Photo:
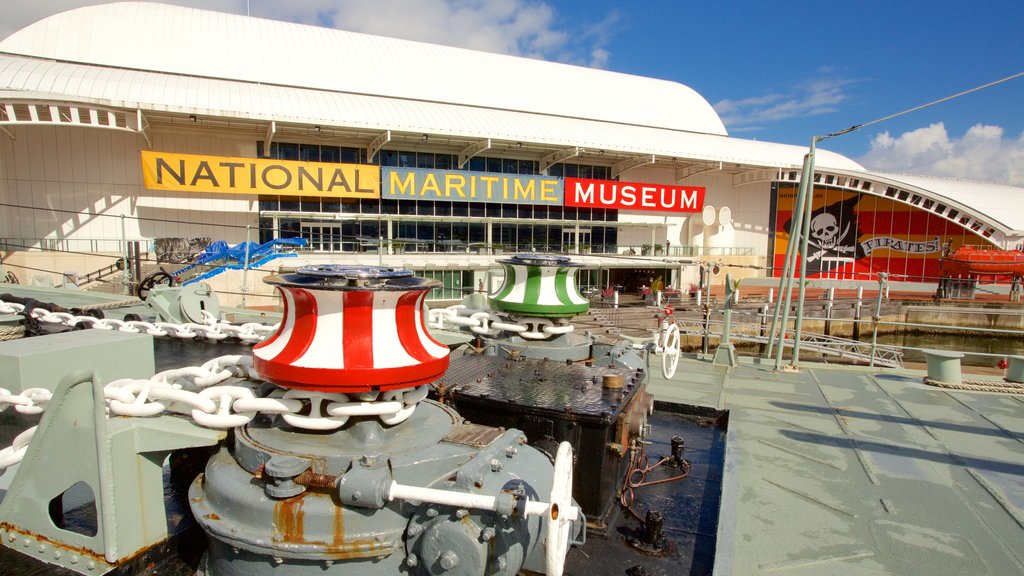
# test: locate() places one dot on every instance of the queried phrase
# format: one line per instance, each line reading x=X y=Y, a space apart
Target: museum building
x=136 y=121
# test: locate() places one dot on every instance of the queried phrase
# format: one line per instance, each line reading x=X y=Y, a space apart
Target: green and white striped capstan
x=539 y=285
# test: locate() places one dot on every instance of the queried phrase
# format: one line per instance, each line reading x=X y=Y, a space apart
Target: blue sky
x=775 y=71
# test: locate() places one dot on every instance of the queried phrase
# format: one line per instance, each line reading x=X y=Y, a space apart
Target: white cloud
x=17 y=15
x=527 y=28
x=819 y=96
x=504 y=26
x=982 y=153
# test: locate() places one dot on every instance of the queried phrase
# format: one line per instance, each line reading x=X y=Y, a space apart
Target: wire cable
x=916 y=108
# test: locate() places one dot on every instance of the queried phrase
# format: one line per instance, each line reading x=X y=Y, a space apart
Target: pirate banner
x=855 y=235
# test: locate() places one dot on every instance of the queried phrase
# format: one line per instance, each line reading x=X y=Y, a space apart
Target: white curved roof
x=1002 y=205
x=46 y=80
x=157 y=57
x=186 y=41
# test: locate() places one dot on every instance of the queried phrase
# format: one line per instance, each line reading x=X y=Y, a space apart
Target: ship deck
x=847 y=470
x=827 y=470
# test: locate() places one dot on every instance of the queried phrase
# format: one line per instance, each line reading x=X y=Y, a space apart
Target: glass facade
x=444 y=226
x=456 y=283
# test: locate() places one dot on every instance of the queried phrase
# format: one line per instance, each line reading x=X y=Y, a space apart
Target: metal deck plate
x=846 y=470
x=541 y=386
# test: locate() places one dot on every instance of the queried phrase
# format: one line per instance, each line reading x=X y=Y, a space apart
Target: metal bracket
x=559 y=156
x=143 y=127
x=622 y=166
x=692 y=170
x=376 y=144
x=271 y=130
x=472 y=150
x=120 y=460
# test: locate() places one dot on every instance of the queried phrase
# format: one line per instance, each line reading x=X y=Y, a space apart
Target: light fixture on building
x=316 y=128
x=192 y=117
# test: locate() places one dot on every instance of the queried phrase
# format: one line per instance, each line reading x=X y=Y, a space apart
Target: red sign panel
x=633 y=195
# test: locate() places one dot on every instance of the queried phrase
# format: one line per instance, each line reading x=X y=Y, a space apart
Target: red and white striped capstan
x=351 y=329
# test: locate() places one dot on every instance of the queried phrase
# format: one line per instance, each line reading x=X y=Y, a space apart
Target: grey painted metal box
x=41 y=361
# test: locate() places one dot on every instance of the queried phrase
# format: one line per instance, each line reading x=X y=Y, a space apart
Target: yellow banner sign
x=230 y=175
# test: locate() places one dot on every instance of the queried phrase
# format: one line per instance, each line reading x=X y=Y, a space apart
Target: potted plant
x=658 y=249
x=585 y=248
x=398 y=246
x=694 y=288
x=645 y=250
x=498 y=248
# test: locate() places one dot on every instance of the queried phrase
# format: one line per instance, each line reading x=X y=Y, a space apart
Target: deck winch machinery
x=388 y=482
x=530 y=314
x=529 y=368
x=338 y=464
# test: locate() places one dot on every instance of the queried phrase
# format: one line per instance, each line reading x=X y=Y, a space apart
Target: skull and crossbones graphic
x=825 y=232
x=833 y=234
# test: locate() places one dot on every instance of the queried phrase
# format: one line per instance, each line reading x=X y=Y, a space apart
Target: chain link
x=212 y=329
x=204 y=393
x=488 y=324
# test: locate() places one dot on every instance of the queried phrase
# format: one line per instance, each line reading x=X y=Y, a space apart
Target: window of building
x=521 y=237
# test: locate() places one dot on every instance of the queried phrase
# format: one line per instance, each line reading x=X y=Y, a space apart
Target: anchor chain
x=212 y=329
x=198 y=392
x=489 y=324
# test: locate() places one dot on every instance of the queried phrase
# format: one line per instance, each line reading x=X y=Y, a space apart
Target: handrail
x=884 y=355
x=101 y=273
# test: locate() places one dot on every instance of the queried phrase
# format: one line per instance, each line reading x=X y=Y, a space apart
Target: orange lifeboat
x=983 y=261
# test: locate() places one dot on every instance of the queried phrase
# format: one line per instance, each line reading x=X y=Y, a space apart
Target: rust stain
x=81 y=550
x=289 y=527
x=288 y=519
x=361 y=548
x=339 y=526
x=341 y=548
x=212 y=516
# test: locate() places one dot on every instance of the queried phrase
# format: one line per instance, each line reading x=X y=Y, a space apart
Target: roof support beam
x=271 y=130
x=628 y=163
x=756 y=175
x=692 y=170
x=376 y=144
x=142 y=125
x=472 y=150
x=559 y=156
x=50 y=113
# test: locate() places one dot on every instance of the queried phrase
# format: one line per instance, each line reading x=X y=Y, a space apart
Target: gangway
x=218 y=257
x=888 y=356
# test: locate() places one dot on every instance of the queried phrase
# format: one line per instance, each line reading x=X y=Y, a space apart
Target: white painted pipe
x=465 y=500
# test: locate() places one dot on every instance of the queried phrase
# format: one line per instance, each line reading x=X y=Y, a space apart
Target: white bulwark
x=149 y=123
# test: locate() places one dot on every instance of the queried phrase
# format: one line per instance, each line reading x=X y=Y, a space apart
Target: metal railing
x=83 y=245
x=883 y=355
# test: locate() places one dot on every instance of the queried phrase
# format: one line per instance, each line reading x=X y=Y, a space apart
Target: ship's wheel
x=159 y=278
x=670 y=351
x=562 y=513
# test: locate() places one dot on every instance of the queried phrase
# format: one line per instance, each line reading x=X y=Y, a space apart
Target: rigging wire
x=856 y=127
